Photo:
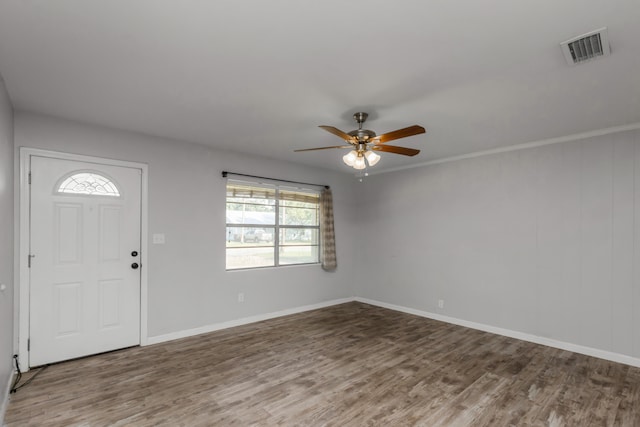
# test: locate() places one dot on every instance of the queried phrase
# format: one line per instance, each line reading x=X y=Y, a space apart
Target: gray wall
x=188 y=284
x=541 y=241
x=6 y=239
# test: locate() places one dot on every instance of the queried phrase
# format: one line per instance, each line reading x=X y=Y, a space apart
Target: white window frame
x=276 y=226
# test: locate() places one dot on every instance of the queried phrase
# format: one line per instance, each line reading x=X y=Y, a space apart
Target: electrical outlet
x=241 y=297
x=440 y=303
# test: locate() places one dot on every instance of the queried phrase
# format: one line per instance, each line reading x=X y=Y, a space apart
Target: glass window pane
x=299 y=215
x=243 y=213
x=89 y=183
x=252 y=223
x=298 y=236
x=249 y=257
x=297 y=196
x=298 y=254
x=250 y=236
x=237 y=191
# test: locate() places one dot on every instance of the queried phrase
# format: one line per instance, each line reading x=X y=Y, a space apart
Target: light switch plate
x=158 y=239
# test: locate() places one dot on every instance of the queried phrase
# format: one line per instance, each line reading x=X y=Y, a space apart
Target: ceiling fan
x=364 y=142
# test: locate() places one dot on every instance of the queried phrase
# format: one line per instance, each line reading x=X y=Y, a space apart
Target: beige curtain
x=327 y=232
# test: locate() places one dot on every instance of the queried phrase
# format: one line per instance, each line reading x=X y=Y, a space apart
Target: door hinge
x=29 y=260
x=29 y=178
x=29 y=344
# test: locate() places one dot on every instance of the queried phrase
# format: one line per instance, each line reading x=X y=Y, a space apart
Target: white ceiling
x=260 y=76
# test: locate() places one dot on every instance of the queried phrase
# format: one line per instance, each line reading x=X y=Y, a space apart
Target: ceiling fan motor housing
x=363 y=135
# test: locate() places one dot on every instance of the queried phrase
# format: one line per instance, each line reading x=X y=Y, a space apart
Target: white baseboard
x=244 y=321
x=589 y=351
x=5 y=397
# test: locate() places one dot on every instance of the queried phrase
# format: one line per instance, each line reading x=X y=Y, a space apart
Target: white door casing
x=84 y=295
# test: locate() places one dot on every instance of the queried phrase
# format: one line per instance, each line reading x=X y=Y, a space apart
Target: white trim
x=244 y=321
x=144 y=255
x=524 y=146
x=23 y=245
x=589 y=351
x=5 y=397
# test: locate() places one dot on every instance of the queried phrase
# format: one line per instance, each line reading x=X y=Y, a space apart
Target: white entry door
x=85 y=256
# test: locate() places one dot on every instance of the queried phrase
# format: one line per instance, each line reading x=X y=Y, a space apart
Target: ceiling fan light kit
x=350 y=158
x=357 y=159
x=359 y=163
x=363 y=142
x=372 y=158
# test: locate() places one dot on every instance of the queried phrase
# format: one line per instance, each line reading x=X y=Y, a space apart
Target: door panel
x=110 y=303
x=85 y=297
x=110 y=218
x=68 y=233
x=67 y=300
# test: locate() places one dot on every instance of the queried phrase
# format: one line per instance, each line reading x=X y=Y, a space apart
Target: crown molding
x=523 y=146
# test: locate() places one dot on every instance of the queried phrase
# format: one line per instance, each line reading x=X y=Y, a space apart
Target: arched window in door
x=89 y=183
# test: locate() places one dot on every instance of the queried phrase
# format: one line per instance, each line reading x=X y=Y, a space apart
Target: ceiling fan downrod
x=360 y=118
x=362 y=135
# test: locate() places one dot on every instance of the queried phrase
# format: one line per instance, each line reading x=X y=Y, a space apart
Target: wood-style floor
x=347 y=365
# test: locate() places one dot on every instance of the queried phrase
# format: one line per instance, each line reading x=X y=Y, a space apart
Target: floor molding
x=243 y=321
x=5 y=398
x=588 y=351
x=562 y=345
x=350 y=364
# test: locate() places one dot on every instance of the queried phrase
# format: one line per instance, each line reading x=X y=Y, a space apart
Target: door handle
x=134 y=253
x=135 y=265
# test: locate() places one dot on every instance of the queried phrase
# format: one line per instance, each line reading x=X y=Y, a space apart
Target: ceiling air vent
x=586 y=47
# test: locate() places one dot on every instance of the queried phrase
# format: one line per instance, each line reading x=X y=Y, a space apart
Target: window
x=88 y=183
x=270 y=226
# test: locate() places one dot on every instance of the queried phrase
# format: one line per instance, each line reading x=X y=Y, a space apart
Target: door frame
x=21 y=302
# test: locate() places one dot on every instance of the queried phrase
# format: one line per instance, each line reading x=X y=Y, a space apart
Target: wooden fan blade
x=339 y=133
x=324 y=148
x=397 y=150
x=400 y=133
